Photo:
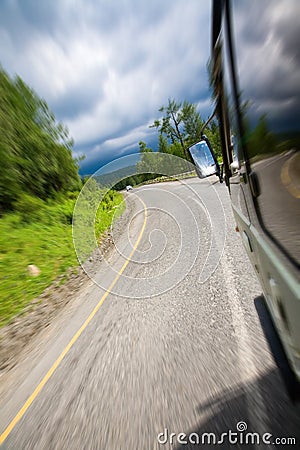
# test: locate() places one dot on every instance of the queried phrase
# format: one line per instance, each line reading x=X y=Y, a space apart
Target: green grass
x=42 y=238
x=105 y=218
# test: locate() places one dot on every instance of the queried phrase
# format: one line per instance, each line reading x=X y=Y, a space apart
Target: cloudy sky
x=105 y=67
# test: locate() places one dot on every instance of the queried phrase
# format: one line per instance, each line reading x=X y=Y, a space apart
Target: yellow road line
x=50 y=372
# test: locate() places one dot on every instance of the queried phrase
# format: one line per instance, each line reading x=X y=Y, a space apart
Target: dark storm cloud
x=74 y=102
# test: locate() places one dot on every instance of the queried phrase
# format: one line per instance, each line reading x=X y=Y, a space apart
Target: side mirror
x=205 y=161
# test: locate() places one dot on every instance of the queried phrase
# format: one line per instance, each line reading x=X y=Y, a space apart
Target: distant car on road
x=129 y=188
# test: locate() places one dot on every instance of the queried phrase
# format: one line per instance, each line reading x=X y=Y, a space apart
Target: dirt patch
x=16 y=335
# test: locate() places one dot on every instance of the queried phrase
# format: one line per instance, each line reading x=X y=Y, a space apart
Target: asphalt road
x=175 y=346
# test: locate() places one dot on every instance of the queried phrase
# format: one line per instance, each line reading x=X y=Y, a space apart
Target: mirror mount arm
x=207 y=123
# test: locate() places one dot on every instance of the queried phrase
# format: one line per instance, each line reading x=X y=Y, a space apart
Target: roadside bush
x=40 y=232
x=29 y=208
x=61 y=212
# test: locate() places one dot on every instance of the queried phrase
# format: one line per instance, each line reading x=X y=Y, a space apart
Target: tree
x=261 y=140
x=143 y=147
x=35 y=150
x=213 y=135
x=193 y=123
x=149 y=163
x=179 y=127
x=163 y=146
x=181 y=123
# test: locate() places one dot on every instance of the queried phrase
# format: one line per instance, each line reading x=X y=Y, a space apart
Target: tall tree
x=180 y=123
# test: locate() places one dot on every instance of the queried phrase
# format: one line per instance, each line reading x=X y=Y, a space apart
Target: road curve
x=165 y=338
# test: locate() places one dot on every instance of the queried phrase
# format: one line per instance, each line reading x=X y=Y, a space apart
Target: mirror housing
x=205 y=160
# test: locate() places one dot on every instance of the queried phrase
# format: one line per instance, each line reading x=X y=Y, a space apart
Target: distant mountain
x=111 y=178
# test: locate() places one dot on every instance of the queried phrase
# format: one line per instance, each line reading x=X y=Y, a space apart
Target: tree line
x=35 y=150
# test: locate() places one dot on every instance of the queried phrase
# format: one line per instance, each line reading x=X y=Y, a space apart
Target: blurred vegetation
x=91 y=220
x=35 y=150
x=39 y=186
x=40 y=233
